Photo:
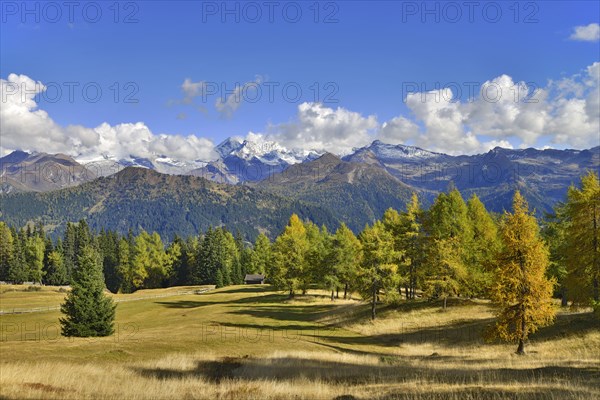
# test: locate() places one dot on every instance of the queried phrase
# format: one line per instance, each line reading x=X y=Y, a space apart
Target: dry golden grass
x=415 y=351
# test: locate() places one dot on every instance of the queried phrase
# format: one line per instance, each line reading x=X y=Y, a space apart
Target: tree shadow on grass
x=248 y=289
x=186 y=303
x=287 y=312
x=362 y=311
x=267 y=298
x=272 y=298
x=568 y=325
x=337 y=372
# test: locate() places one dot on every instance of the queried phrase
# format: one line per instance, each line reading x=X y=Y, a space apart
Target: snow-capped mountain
x=105 y=165
x=253 y=159
x=239 y=160
x=385 y=152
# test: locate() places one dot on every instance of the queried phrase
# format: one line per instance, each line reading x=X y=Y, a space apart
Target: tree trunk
x=332 y=295
x=445 y=300
x=411 y=282
x=337 y=293
x=345 y=290
x=291 y=293
x=563 y=297
x=406 y=294
x=374 y=301
x=521 y=348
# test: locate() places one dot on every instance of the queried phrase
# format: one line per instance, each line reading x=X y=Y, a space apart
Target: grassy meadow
x=250 y=342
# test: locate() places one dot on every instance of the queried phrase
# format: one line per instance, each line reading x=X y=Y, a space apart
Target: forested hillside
x=137 y=199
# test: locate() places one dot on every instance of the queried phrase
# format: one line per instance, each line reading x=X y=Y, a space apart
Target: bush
x=33 y=289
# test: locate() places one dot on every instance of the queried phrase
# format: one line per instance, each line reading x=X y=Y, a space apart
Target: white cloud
x=228 y=105
x=322 y=128
x=25 y=126
x=192 y=90
x=508 y=109
x=398 y=130
x=564 y=112
x=586 y=33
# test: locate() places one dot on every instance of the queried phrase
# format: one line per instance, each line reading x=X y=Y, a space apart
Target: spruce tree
x=56 y=273
x=18 y=271
x=521 y=289
x=88 y=311
x=69 y=255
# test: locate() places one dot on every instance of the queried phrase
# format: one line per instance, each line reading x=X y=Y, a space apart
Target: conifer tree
x=18 y=271
x=378 y=269
x=412 y=239
x=583 y=242
x=109 y=248
x=34 y=257
x=289 y=256
x=521 y=289
x=554 y=233
x=484 y=244
x=392 y=222
x=346 y=257
x=317 y=266
x=124 y=266
x=88 y=311
x=159 y=263
x=56 y=273
x=178 y=254
x=6 y=250
x=69 y=255
x=447 y=274
x=449 y=238
x=261 y=256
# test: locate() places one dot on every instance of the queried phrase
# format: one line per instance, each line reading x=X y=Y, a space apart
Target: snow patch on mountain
x=255 y=146
x=399 y=151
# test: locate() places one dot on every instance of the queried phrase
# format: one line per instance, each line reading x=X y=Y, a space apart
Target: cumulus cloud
x=564 y=112
x=322 y=128
x=398 y=130
x=25 y=126
x=443 y=121
x=586 y=33
x=506 y=113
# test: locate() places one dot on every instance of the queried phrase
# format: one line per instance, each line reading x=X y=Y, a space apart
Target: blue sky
x=362 y=59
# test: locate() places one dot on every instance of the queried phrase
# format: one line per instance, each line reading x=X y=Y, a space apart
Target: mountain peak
x=328 y=158
x=15 y=157
x=228 y=146
x=387 y=150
